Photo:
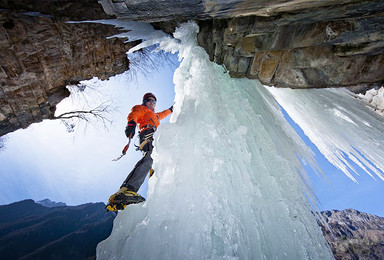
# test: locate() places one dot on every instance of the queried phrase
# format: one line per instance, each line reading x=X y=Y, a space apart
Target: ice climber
x=148 y=120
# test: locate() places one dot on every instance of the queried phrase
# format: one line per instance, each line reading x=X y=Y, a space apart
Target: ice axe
x=124 y=150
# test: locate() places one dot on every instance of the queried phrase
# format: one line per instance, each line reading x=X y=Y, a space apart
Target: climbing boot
x=122 y=198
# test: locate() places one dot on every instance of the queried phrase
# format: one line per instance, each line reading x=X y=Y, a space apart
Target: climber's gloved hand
x=130 y=129
x=171 y=108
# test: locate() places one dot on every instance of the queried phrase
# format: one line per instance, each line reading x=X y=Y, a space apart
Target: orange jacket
x=144 y=116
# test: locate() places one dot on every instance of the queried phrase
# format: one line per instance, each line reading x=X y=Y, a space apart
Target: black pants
x=137 y=176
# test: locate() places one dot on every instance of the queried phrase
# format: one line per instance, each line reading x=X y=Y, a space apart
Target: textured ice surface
x=229 y=180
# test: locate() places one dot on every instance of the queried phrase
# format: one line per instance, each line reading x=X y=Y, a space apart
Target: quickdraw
x=142 y=145
x=147 y=139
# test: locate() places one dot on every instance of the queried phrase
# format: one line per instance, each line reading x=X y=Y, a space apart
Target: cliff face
x=297 y=44
x=40 y=54
x=355 y=235
x=299 y=54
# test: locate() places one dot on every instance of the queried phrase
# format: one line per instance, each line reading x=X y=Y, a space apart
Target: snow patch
x=375 y=97
x=50 y=204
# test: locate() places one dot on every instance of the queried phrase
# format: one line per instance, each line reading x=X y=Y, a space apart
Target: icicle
x=342 y=127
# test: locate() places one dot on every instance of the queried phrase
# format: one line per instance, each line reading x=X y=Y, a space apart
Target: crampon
x=119 y=201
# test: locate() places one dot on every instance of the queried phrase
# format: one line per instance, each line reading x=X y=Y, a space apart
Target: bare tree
x=146 y=61
x=98 y=114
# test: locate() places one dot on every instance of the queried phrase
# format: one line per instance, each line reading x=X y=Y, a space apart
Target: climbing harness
x=146 y=127
x=147 y=138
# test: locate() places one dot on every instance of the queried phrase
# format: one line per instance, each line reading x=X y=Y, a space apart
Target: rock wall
x=40 y=54
x=297 y=43
x=301 y=54
x=355 y=235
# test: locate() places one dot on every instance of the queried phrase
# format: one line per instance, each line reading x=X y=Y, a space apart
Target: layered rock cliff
x=40 y=54
x=355 y=235
x=296 y=44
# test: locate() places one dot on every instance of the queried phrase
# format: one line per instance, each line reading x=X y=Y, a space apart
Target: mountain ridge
x=25 y=228
x=31 y=231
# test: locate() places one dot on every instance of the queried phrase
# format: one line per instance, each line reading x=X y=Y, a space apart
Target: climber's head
x=149 y=100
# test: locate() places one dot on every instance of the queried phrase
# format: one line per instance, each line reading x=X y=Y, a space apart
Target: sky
x=47 y=161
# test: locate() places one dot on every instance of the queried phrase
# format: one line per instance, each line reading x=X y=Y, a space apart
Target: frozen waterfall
x=229 y=180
